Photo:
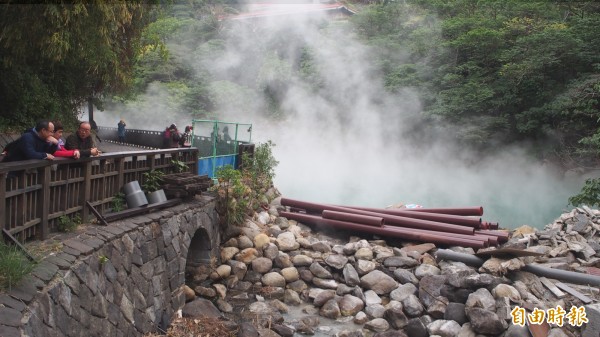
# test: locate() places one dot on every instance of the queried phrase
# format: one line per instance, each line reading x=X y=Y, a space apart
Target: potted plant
x=152 y=186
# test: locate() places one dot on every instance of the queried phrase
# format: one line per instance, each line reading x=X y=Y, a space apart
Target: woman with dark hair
x=186 y=138
x=62 y=152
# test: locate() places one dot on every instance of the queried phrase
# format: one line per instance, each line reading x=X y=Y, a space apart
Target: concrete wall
x=121 y=280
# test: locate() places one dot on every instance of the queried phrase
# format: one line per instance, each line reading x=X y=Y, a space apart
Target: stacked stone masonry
x=125 y=279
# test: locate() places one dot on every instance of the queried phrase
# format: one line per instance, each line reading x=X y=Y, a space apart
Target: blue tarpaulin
x=205 y=165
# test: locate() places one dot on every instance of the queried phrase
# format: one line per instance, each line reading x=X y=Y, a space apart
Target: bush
x=13 y=266
x=589 y=195
x=68 y=224
x=118 y=202
x=239 y=191
x=152 y=181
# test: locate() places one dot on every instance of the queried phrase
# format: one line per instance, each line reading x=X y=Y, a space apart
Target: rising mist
x=341 y=137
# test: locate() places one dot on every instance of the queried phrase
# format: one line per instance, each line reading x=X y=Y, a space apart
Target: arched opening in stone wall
x=199 y=263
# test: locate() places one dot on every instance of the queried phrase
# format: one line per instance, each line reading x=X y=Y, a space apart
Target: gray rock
x=437 y=309
x=426 y=270
x=515 y=330
x=412 y=306
x=396 y=317
x=320 y=271
x=379 y=282
x=390 y=333
x=481 y=298
x=400 y=262
x=200 y=308
x=330 y=309
x=456 y=312
x=429 y=288
x=350 y=305
x=377 y=324
x=351 y=276
x=403 y=291
x=405 y=276
x=336 y=261
x=262 y=265
x=375 y=310
x=592 y=328
x=416 y=328
x=323 y=296
x=444 y=328
x=291 y=297
x=364 y=267
x=485 y=321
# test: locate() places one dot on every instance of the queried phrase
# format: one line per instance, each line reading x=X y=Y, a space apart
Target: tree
x=55 y=56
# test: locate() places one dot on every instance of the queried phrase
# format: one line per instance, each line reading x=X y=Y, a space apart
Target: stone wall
x=124 y=279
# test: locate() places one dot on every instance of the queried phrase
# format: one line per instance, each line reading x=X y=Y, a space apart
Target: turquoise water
x=511 y=207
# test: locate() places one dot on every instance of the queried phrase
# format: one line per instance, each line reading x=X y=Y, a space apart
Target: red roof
x=273 y=9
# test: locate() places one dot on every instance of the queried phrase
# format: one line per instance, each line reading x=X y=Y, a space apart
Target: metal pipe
x=558 y=274
x=447 y=254
x=564 y=275
x=502 y=236
x=385 y=231
x=493 y=240
x=446 y=218
x=483 y=239
x=476 y=210
x=357 y=218
x=389 y=219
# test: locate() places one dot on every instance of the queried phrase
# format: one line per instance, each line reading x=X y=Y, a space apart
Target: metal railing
x=35 y=194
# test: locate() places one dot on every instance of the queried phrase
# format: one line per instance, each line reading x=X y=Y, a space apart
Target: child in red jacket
x=62 y=152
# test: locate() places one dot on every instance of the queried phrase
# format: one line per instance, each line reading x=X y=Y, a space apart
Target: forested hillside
x=487 y=73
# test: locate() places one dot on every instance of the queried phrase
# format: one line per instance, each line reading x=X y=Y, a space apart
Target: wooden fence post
x=87 y=187
x=2 y=203
x=44 y=203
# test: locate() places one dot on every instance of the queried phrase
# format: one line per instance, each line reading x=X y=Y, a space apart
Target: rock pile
x=271 y=265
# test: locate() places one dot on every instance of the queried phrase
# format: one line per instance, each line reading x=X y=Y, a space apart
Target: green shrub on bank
x=68 y=224
x=589 y=195
x=239 y=191
x=14 y=265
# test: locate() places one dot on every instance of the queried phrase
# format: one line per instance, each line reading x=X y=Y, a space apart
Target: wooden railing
x=34 y=194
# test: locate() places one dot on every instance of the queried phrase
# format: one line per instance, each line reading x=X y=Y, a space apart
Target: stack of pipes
x=448 y=226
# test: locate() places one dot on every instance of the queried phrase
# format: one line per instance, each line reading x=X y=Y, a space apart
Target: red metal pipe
x=356 y=218
x=502 y=236
x=481 y=238
x=385 y=231
x=475 y=210
x=489 y=225
x=389 y=219
x=493 y=240
x=446 y=218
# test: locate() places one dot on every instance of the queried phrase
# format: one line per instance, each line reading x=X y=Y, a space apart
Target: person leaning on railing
x=62 y=151
x=82 y=141
x=36 y=143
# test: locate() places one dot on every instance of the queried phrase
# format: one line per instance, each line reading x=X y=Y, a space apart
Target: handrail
x=35 y=194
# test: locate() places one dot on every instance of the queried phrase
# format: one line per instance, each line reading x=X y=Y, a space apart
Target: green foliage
x=54 y=57
x=179 y=165
x=117 y=204
x=239 y=191
x=14 y=265
x=68 y=223
x=259 y=170
x=152 y=181
x=589 y=195
x=234 y=197
x=102 y=259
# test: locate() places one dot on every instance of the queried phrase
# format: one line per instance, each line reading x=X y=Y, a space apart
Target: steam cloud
x=348 y=142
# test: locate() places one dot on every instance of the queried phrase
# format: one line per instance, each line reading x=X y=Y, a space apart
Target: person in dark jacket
x=121 y=130
x=82 y=141
x=36 y=143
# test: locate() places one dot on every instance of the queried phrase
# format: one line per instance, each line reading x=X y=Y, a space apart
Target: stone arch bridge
x=123 y=279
